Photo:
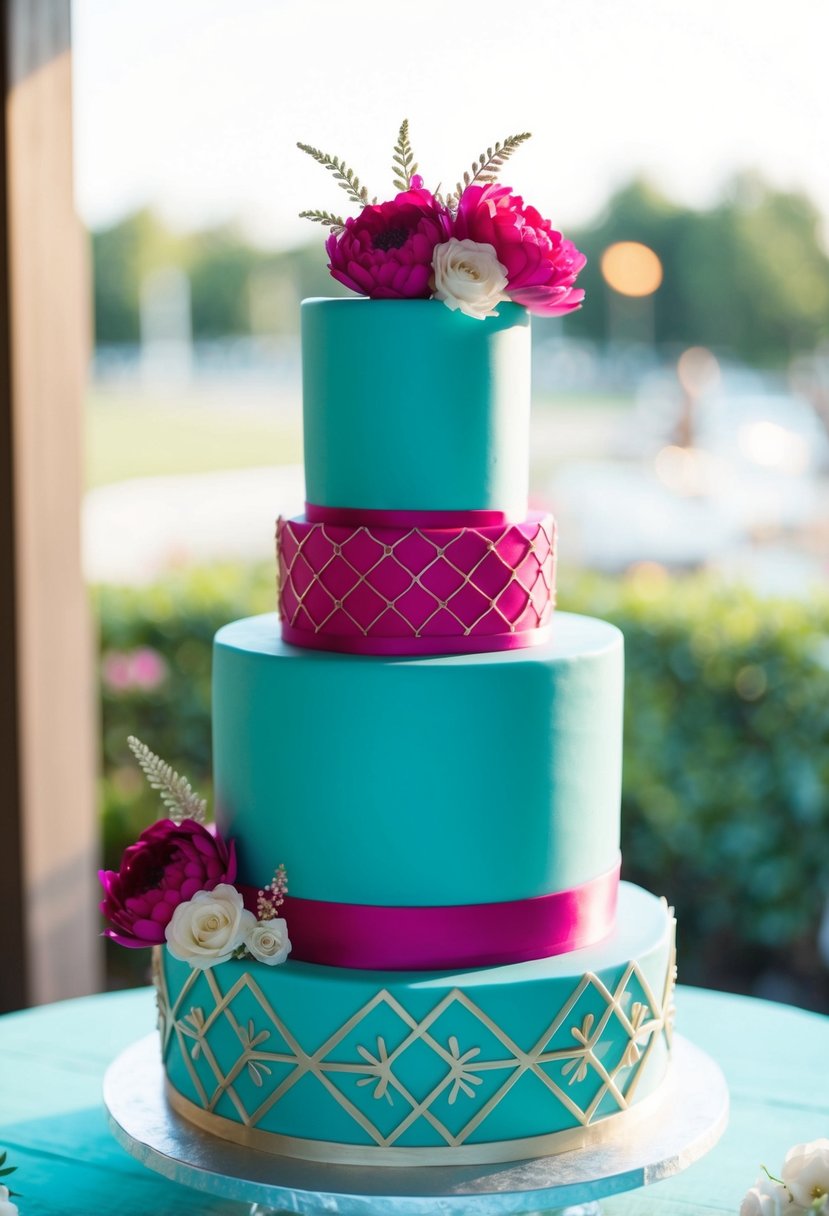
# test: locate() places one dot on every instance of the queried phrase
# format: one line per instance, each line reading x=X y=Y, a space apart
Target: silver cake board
x=688 y=1123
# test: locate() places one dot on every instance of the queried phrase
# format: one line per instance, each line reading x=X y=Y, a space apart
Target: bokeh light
x=631 y=268
x=768 y=444
x=698 y=370
x=687 y=471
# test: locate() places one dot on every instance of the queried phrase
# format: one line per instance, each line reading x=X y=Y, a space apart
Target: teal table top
x=53 y=1125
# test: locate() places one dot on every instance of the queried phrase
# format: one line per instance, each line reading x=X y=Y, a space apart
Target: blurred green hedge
x=726 y=781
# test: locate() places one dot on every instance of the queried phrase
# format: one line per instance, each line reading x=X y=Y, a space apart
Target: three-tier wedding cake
x=437 y=758
x=431 y=751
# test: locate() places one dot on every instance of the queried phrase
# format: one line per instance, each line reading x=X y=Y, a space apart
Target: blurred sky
x=195 y=106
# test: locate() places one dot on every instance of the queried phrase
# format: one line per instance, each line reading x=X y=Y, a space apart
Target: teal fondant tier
x=457 y=779
x=410 y=406
x=489 y=1065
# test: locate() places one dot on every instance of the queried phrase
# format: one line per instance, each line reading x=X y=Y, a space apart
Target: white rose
x=208 y=928
x=7 y=1208
x=268 y=941
x=806 y=1172
x=766 y=1198
x=468 y=276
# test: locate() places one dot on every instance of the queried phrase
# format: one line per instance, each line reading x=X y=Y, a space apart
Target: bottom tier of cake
x=400 y=1068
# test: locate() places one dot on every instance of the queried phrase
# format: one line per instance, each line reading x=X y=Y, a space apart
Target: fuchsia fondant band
x=366 y=937
x=355 y=517
x=397 y=647
x=416 y=587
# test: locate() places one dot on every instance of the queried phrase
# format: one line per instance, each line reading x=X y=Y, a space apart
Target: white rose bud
x=467 y=275
x=268 y=941
x=210 y=927
x=766 y=1198
x=806 y=1173
x=7 y=1208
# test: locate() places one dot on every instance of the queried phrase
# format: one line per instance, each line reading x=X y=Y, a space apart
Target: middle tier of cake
x=481 y=790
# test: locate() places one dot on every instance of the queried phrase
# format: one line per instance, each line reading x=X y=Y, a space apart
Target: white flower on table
x=268 y=941
x=210 y=927
x=7 y=1208
x=806 y=1174
x=767 y=1198
x=467 y=275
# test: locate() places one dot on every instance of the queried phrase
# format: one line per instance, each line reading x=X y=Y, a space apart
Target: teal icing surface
x=459 y=779
x=450 y=1041
x=410 y=406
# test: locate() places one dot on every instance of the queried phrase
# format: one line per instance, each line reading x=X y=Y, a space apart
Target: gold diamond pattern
x=306 y=602
x=373 y=1064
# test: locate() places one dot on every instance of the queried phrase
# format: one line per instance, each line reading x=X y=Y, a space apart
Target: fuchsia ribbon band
x=373 y=938
x=410 y=647
x=357 y=517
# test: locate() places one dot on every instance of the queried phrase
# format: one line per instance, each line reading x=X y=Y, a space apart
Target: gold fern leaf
x=176 y=792
x=345 y=178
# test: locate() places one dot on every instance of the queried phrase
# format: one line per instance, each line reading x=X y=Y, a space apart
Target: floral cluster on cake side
x=176 y=885
x=803 y=1187
x=472 y=249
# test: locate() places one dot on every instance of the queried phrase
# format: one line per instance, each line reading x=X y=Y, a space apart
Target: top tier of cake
x=409 y=406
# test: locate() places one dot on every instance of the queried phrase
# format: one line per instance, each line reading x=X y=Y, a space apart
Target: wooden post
x=48 y=822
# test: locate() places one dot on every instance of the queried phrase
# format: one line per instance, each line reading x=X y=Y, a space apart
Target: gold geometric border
x=646 y=1024
x=465 y=1154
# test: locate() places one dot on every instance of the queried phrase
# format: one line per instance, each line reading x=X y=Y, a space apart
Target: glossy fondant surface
x=459 y=779
x=410 y=406
x=438 y=1060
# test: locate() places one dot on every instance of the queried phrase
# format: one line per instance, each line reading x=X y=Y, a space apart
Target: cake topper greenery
x=473 y=248
x=176 y=884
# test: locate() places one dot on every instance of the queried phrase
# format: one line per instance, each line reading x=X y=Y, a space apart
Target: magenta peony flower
x=166 y=866
x=386 y=251
x=541 y=265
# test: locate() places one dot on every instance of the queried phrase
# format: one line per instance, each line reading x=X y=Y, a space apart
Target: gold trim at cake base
x=494 y=1153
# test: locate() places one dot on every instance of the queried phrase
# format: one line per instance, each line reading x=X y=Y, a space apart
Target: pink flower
x=386 y=251
x=116 y=671
x=167 y=865
x=142 y=670
x=541 y=265
x=149 y=670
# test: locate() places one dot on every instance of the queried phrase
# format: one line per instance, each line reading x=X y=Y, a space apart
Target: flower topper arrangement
x=803 y=1187
x=472 y=249
x=176 y=885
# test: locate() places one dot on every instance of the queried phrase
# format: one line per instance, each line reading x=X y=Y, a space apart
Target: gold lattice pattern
x=575 y=1047
x=416 y=582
